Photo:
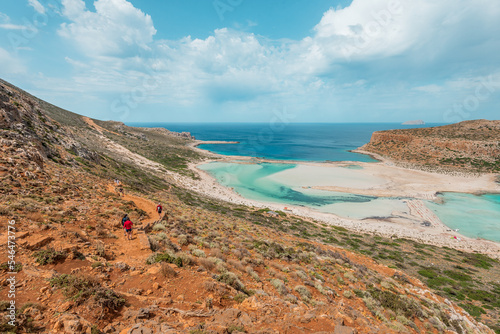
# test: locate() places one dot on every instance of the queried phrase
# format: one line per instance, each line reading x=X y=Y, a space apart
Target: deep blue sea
x=294 y=141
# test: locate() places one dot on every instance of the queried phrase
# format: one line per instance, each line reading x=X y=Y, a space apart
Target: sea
x=475 y=216
x=294 y=141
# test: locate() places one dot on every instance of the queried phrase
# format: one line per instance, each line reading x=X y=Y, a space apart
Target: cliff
x=467 y=146
x=207 y=266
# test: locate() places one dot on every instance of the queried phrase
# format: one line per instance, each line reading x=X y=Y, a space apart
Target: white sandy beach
x=377 y=179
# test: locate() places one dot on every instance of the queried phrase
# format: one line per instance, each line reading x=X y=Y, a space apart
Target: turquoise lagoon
x=476 y=216
x=259 y=182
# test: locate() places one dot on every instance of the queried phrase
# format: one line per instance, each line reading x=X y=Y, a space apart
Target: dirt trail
x=98 y=128
x=133 y=251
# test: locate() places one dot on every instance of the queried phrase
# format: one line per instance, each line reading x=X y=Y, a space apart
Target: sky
x=257 y=60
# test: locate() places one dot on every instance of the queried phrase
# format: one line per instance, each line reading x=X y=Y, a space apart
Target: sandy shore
x=387 y=180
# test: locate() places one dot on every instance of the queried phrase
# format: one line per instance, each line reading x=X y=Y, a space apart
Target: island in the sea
x=415 y=122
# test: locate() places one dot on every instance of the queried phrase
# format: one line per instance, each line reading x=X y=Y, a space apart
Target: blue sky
x=256 y=60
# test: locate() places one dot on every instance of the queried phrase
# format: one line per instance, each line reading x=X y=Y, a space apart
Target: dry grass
x=208 y=264
x=236 y=264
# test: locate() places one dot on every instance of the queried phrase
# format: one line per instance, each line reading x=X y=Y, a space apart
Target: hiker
x=159 y=209
x=128 y=228
x=124 y=219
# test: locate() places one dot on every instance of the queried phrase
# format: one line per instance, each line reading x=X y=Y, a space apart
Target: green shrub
x=304 y=293
x=480 y=295
x=162 y=236
x=348 y=294
x=232 y=280
x=81 y=289
x=164 y=257
x=240 y=297
x=280 y=286
x=159 y=227
x=473 y=310
x=399 y=304
x=96 y=264
x=198 y=253
x=429 y=273
x=456 y=275
x=182 y=240
x=48 y=256
x=5 y=267
x=479 y=260
x=439 y=281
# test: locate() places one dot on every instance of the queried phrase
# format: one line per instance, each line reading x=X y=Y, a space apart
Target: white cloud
x=5 y=23
x=433 y=89
x=37 y=6
x=373 y=29
x=10 y=64
x=9 y=26
x=359 y=59
x=116 y=28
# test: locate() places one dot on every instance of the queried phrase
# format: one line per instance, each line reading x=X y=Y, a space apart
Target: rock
x=22 y=235
x=344 y=330
x=251 y=304
x=143 y=240
x=307 y=317
x=156 y=286
x=65 y=306
x=143 y=313
x=155 y=269
x=122 y=266
x=232 y=316
x=341 y=329
x=72 y=324
x=35 y=272
x=38 y=242
x=139 y=329
x=109 y=329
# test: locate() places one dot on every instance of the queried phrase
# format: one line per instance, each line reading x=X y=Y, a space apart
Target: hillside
x=207 y=267
x=470 y=146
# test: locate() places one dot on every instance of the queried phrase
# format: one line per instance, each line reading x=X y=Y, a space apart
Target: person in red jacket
x=159 y=209
x=128 y=228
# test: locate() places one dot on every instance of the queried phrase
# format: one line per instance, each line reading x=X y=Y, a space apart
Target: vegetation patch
x=48 y=256
x=164 y=257
x=81 y=289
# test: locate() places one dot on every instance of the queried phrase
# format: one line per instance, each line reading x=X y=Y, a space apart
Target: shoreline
x=396 y=227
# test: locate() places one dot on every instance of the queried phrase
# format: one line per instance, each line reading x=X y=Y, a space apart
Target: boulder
x=72 y=324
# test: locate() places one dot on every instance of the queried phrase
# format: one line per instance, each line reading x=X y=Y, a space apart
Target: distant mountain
x=467 y=146
x=415 y=122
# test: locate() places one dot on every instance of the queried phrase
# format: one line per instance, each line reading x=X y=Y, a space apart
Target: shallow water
x=260 y=182
x=476 y=216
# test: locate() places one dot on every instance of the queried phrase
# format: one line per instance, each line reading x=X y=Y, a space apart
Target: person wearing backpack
x=159 y=209
x=124 y=219
x=128 y=228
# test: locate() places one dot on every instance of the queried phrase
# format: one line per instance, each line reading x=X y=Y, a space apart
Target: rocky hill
x=471 y=146
x=207 y=266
